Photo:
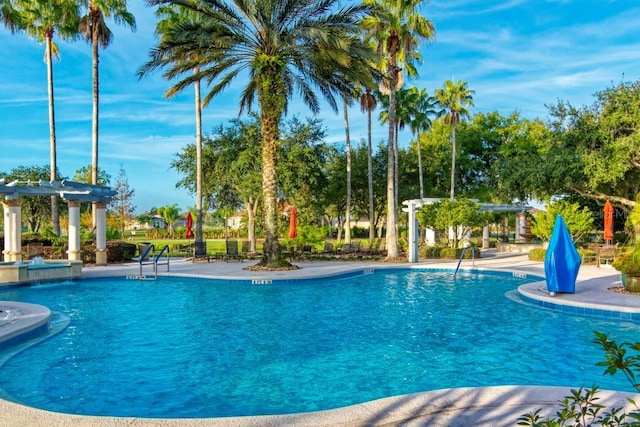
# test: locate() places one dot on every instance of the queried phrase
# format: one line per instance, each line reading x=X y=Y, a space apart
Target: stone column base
x=74 y=255
x=101 y=257
x=12 y=256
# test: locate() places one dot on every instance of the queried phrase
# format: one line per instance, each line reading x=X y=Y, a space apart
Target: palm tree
x=420 y=106
x=40 y=19
x=347 y=231
x=168 y=28
x=368 y=104
x=279 y=46
x=95 y=29
x=397 y=29
x=454 y=98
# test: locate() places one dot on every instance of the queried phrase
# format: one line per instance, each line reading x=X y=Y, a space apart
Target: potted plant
x=628 y=263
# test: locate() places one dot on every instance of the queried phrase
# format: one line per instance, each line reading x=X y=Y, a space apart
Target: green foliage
x=460 y=214
x=628 y=262
x=581 y=408
x=117 y=252
x=579 y=221
x=35 y=210
x=537 y=254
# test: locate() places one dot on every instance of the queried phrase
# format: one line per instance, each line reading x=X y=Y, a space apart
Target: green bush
x=537 y=254
x=581 y=408
x=117 y=252
x=445 y=252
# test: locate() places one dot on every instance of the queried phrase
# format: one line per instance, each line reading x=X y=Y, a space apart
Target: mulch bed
x=622 y=290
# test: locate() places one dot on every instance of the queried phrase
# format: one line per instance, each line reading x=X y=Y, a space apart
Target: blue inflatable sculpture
x=562 y=261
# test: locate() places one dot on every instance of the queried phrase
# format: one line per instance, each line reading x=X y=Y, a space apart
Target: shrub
x=581 y=406
x=117 y=252
x=537 y=254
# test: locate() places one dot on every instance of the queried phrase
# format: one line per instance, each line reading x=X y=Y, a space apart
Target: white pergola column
x=74 y=230
x=12 y=230
x=485 y=237
x=521 y=225
x=430 y=236
x=101 y=233
x=412 y=232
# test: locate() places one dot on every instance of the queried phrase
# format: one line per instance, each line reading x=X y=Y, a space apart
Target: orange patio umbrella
x=293 y=223
x=189 y=234
x=608 y=222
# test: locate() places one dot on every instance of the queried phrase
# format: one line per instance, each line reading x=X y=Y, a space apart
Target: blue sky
x=516 y=55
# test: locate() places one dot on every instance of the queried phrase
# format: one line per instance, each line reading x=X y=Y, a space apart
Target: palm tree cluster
x=70 y=19
x=276 y=49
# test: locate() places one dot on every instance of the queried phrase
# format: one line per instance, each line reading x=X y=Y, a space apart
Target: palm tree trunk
x=198 y=234
x=396 y=174
x=391 y=237
x=94 y=131
x=347 y=231
x=420 y=176
x=271 y=249
x=370 y=178
x=55 y=219
x=252 y=208
x=453 y=162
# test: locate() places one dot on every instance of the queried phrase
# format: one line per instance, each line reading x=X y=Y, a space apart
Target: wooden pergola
x=74 y=193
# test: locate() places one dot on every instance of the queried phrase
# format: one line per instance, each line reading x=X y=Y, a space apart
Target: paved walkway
x=482 y=406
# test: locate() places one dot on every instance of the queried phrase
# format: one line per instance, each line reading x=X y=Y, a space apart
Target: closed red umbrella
x=293 y=223
x=608 y=222
x=189 y=225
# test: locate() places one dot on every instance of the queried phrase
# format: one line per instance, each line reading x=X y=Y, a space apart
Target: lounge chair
x=232 y=251
x=200 y=252
x=328 y=249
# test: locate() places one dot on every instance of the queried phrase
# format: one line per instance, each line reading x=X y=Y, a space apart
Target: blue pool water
x=185 y=347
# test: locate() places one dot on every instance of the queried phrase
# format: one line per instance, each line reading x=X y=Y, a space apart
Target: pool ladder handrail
x=473 y=257
x=155 y=261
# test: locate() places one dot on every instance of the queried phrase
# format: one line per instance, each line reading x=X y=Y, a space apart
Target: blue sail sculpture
x=562 y=261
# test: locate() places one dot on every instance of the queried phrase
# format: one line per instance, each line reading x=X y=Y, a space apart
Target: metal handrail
x=473 y=257
x=157 y=258
x=155 y=261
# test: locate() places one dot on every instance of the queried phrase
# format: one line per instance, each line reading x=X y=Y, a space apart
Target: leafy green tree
x=374 y=207
x=462 y=215
x=36 y=210
x=579 y=220
x=84 y=175
x=40 y=19
x=302 y=160
x=397 y=29
x=454 y=99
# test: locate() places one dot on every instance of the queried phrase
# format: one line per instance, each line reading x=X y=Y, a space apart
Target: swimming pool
x=186 y=347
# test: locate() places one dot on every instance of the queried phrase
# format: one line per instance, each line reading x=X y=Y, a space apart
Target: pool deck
x=481 y=406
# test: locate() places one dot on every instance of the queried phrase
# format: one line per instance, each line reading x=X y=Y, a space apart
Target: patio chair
x=232 y=251
x=328 y=249
x=200 y=252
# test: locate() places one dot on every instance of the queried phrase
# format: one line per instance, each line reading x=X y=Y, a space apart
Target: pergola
x=73 y=193
x=413 y=205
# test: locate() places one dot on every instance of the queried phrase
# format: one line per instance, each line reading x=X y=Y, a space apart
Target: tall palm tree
x=40 y=19
x=420 y=106
x=279 y=46
x=345 y=108
x=368 y=104
x=168 y=28
x=397 y=28
x=95 y=29
x=454 y=98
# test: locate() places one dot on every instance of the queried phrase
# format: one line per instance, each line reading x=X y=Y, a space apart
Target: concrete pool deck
x=482 y=406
